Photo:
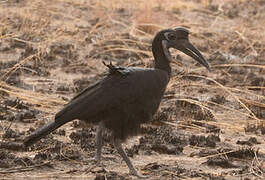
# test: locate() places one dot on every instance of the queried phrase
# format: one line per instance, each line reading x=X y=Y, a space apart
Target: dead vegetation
x=50 y=50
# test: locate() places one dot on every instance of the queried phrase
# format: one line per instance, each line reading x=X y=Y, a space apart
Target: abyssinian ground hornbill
x=126 y=97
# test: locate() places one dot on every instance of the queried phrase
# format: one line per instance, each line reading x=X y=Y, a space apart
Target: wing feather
x=112 y=91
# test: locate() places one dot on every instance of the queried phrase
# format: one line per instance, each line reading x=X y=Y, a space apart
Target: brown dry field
x=210 y=125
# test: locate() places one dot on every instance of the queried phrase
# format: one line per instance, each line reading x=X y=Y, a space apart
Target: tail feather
x=43 y=131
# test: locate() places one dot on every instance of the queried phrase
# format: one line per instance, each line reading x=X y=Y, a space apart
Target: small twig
x=22 y=169
x=229 y=92
x=11 y=146
x=248 y=42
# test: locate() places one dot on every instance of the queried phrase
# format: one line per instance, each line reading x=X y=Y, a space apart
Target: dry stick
x=226 y=125
x=18 y=91
x=254 y=87
x=224 y=88
x=125 y=25
x=242 y=99
x=29 y=69
x=138 y=54
x=253 y=169
x=6 y=36
x=114 y=47
x=172 y=173
x=21 y=169
x=191 y=126
x=229 y=109
x=218 y=154
x=17 y=66
x=247 y=41
x=205 y=106
x=226 y=47
x=61 y=153
x=98 y=24
x=230 y=88
x=21 y=40
x=243 y=91
x=124 y=42
x=240 y=65
x=253 y=102
x=199 y=69
x=9 y=126
x=33 y=99
x=245 y=114
x=124 y=49
x=45 y=101
x=192 y=102
x=222 y=106
x=123 y=39
x=152 y=24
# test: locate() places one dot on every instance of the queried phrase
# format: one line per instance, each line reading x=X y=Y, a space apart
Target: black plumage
x=125 y=98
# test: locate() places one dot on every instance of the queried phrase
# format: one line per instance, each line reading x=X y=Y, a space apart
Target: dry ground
x=211 y=125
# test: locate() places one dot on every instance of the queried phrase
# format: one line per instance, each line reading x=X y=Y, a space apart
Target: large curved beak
x=186 y=47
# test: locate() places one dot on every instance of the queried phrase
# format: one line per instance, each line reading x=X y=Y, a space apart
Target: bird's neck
x=162 y=56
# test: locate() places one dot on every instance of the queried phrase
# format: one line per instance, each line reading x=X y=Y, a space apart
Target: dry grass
x=38 y=28
x=122 y=31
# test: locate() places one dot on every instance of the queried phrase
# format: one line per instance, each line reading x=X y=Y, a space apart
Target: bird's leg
x=133 y=171
x=99 y=142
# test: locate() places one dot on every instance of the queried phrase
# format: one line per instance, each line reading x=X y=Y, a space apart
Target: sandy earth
x=210 y=125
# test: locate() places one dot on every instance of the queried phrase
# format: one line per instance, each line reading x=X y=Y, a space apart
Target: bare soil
x=210 y=125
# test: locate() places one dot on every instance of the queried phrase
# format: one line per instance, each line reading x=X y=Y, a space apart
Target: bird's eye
x=172 y=37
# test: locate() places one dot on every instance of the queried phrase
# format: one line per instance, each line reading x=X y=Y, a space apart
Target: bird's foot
x=97 y=160
x=139 y=175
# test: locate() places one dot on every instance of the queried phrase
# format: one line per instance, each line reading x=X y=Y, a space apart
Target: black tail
x=43 y=131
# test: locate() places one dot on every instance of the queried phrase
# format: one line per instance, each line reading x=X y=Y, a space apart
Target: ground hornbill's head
x=177 y=38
